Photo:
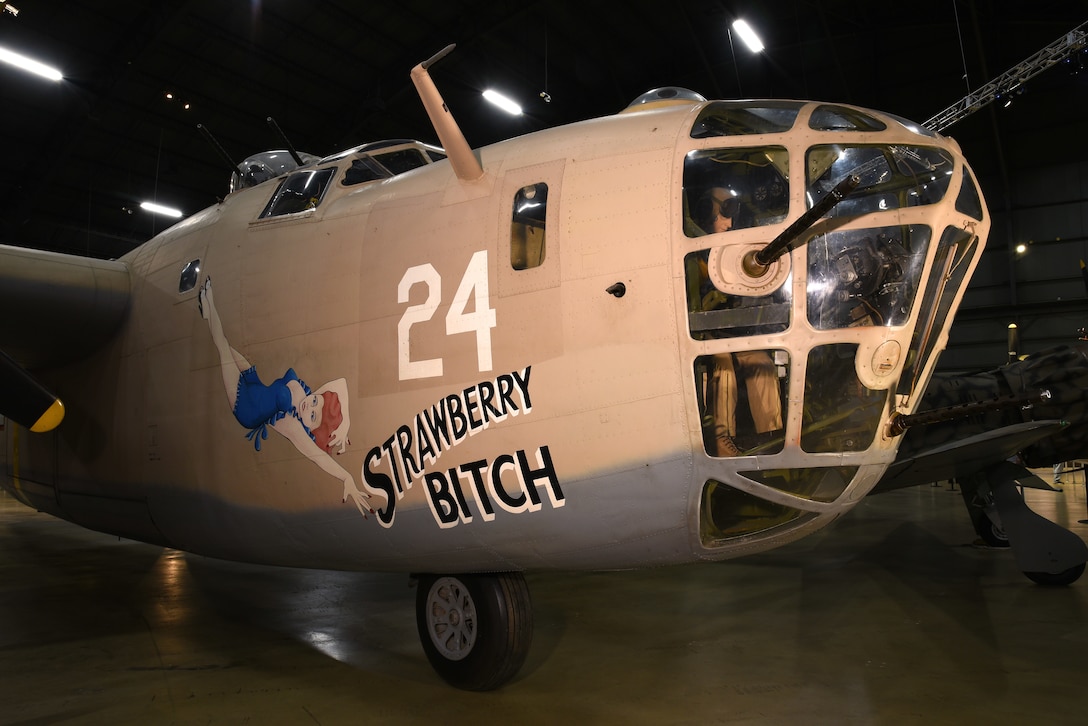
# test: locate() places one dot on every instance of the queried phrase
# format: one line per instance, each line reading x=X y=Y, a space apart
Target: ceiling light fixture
x=160 y=209
x=170 y=97
x=30 y=65
x=502 y=102
x=744 y=30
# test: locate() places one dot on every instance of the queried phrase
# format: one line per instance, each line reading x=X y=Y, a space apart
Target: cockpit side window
x=369 y=167
x=527 y=227
x=399 y=162
x=364 y=169
x=300 y=191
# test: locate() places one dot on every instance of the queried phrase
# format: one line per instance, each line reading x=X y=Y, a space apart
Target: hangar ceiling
x=82 y=153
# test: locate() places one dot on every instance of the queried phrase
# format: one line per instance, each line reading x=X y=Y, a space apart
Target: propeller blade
x=25 y=401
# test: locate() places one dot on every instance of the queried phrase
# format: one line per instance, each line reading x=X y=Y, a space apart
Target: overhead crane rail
x=1011 y=80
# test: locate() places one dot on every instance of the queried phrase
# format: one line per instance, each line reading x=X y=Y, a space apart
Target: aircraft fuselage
x=560 y=365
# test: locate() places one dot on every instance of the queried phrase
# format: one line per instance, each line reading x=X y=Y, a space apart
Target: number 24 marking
x=481 y=320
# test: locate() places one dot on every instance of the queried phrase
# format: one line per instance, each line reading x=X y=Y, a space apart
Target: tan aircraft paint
x=151 y=448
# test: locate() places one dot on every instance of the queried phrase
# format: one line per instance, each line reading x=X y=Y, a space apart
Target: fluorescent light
x=29 y=64
x=502 y=102
x=744 y=30
x=160 y=209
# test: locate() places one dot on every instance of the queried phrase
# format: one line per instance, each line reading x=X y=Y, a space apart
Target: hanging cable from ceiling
x=959 y=35
x=544 y=94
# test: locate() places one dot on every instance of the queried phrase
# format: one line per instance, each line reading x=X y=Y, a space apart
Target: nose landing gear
x=476 y=629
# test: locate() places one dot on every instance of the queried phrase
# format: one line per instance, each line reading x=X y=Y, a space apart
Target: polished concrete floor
x=889 y=617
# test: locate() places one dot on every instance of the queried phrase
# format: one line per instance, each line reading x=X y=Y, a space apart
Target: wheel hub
x=451 y=618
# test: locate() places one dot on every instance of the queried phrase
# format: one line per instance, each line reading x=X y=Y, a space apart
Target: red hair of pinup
x=331 y=417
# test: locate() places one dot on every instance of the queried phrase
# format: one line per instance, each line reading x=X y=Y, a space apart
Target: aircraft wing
x=1052 y=428
x=966 y=456
x=57 y=309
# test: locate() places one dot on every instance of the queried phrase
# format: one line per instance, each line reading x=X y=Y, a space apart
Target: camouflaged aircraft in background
x=985 y=430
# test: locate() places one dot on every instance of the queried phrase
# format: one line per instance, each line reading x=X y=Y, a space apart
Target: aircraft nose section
x=822 y=263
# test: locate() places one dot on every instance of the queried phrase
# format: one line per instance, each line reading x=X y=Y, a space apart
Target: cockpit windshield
x=303 y=189
x=299 y=192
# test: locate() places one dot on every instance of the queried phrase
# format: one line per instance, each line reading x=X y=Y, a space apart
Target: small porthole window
x=189 y=275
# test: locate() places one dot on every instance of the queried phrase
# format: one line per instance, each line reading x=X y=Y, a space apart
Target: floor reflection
x=889 y=615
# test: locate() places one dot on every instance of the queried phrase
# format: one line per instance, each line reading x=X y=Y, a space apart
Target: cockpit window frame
x=324 y=176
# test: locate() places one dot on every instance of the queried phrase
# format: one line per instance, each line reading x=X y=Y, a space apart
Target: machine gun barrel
x=218 y=148
x=286 y=141
x=900 y=422
x=756 y=264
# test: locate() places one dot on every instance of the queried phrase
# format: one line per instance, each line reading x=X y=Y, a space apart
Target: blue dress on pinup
x=257 y=406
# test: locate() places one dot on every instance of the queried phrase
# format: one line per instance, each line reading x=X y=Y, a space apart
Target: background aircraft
x=985 y=430
x=674 y=334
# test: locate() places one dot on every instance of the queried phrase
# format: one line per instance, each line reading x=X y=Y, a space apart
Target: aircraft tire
x=475 y=629
x=993 y=535
x=1048 y=579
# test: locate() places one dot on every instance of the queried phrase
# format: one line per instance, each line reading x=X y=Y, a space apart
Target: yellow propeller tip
x=50 y=419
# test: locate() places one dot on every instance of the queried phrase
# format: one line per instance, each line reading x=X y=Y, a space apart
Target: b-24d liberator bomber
x=675 y=334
